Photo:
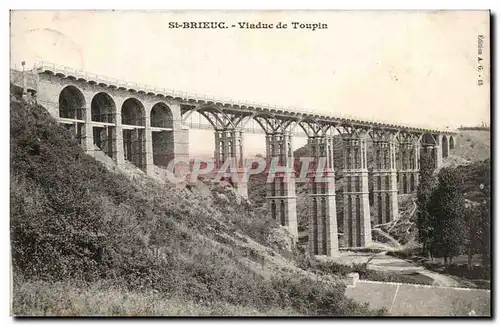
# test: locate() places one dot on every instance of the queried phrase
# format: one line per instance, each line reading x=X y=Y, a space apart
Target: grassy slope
x=95 y=299
x=75 y=222
x=471 y=146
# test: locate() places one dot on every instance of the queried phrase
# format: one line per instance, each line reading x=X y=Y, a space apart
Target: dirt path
x=440 y=279
x=383 y=262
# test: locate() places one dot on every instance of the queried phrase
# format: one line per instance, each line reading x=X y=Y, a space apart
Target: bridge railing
x=44 y=65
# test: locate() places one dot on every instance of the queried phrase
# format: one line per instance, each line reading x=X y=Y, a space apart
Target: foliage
x=485 y=218
x=103 y=299
x=476 y=189
x=318 y=297
x=454 y=215
x=425 y=187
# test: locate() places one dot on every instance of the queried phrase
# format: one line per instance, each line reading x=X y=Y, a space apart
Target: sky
x=412 y=68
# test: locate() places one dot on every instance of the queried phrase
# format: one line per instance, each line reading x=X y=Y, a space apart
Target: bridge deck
x=224 y=103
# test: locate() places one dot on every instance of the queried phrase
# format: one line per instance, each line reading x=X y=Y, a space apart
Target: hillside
x=89 y=239
x=471 y=146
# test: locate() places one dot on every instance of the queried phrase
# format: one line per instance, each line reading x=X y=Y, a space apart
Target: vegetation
x=447 y=210
x=41 y=298
x=78 y=229
x=424 y=192
x=470 y=146
x=454 y=214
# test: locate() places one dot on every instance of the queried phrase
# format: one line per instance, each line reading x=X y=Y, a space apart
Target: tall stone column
x=117 y=144
x=229 y=145
x=280 y=190
x=385 y=186
x=148 y=143
x=135 y=148
x=357 y=225
x=323 y=236
x=88 y=132
x=445 y=144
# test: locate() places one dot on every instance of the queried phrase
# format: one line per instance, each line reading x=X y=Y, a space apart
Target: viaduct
x=148 y=126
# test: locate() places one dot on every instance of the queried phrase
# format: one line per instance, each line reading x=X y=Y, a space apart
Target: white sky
x=413 y=68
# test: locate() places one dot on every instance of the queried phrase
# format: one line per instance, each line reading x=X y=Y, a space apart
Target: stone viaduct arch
x=144 y=125
x=103 y=112
x=133 y=116
x=162 y=123
x=71 y=103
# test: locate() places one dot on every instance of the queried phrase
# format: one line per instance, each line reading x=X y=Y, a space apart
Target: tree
x=485 y=240
x=485 y=220
x=474 y=232
x=424 y=191
x=447 y=212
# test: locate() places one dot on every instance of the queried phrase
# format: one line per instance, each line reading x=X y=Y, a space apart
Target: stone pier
x=323 y=239
x=409 y=165
x=357 y=225
x=385 y=185
x=281 y=197
x=229 y=150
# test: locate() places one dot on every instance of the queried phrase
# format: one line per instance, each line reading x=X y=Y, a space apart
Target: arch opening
x=72 y=106
x=428 y=140
x=161 y=116
x=71 y=103
x=163 y=140
x=103 y=109
x=133 y=113
x=452 y=142
x=134 y=140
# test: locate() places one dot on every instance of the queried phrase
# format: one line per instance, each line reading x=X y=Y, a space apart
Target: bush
x=316 y=297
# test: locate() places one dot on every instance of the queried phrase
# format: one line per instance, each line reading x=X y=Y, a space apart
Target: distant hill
x=471 y=146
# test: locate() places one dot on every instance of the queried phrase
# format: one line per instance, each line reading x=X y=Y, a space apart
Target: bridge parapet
x=225 y=103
